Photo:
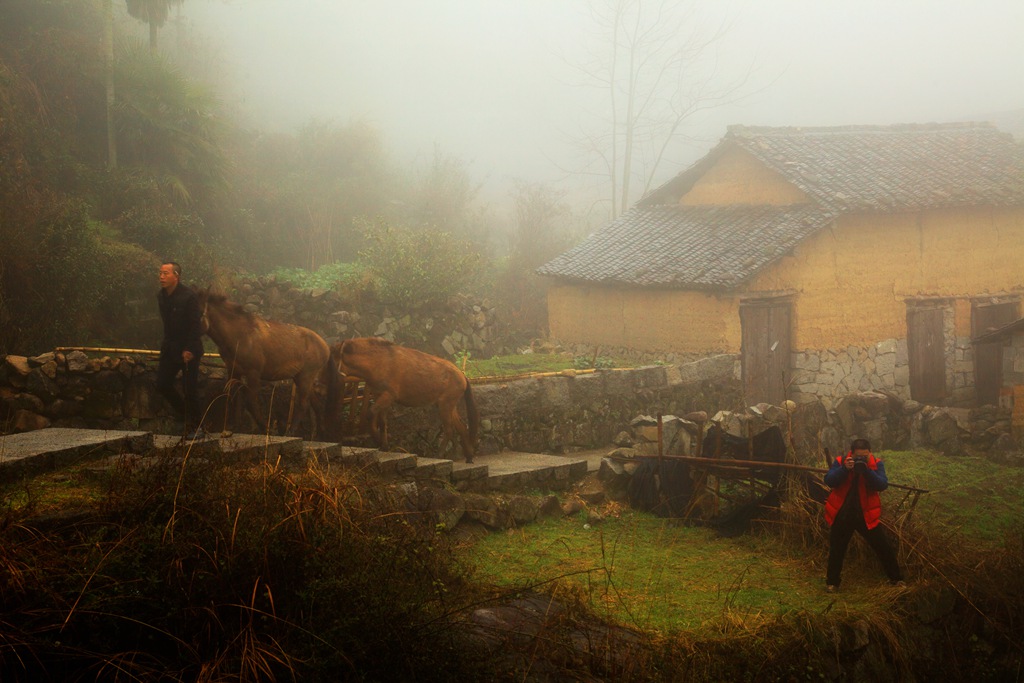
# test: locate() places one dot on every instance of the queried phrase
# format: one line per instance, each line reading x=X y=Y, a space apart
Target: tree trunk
x=108 y=54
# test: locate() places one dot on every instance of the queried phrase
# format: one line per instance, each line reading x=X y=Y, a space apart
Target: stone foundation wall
x=831 y=374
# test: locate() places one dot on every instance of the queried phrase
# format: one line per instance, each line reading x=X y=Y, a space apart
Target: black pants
x=839 y=539
x=187 y=409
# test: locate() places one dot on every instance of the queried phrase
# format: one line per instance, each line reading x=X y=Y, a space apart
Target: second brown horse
x=396 y=374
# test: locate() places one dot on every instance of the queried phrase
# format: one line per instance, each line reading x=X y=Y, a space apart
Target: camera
x=860 y=463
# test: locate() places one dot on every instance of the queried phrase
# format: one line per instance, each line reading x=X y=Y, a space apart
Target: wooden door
x=926 y=351
x=988 y=358
x=765 y=358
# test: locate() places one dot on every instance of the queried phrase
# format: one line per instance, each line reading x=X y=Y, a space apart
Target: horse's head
x=203 y=295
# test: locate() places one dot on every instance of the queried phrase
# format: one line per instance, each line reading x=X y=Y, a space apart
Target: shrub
x=330 y=276
x=411 y=268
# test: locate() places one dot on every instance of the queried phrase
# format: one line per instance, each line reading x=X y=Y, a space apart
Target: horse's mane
x=379 y=341
x=230 y=307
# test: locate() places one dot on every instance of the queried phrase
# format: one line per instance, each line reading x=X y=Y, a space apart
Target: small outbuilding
x=829 y=260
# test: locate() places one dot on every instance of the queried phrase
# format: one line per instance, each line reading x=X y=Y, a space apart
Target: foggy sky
x=488 y=80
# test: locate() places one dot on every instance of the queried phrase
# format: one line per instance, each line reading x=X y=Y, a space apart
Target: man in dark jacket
x=182 y=347
x=854 y=505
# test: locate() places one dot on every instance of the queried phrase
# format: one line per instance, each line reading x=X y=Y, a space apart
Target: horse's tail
x=472 y=414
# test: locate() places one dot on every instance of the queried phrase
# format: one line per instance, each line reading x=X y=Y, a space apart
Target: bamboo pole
x=101 y=349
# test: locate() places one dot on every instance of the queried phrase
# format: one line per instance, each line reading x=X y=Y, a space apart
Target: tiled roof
x=692 y=247
x=855 y=168
x=879 y=168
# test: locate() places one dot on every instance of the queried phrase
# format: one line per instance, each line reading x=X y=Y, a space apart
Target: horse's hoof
x=469 y=461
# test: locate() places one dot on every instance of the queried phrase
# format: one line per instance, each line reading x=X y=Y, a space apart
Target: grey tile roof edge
x=755 y=140
x=724 y=246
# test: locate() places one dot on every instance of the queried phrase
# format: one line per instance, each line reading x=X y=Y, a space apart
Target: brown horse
x=256 y=350
x=396 y=374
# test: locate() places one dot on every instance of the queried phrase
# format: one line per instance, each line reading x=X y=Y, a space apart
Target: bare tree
x=657 y=67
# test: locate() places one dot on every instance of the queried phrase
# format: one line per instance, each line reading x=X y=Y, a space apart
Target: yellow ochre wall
x=739 y=178
x=852 y=281
x=643 y=319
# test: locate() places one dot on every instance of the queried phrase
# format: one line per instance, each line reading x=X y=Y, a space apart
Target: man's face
x=861 y=453
x=168 y=280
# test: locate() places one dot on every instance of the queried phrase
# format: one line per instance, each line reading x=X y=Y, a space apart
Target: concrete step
x=321 y=452
x=49 y=449
x=241 y=448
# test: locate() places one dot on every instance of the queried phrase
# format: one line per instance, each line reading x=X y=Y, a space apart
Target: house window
x=987 y=315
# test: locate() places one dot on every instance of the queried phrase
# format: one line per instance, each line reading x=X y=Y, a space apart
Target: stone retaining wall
x=551 y=413
x=561 y=413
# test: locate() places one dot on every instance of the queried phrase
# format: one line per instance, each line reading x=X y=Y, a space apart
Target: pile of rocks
x=887 y=421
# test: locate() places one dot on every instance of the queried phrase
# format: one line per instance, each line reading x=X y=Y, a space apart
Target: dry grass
x=192 y=571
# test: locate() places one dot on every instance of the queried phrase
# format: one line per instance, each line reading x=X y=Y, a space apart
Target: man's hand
x=848 y=463
x=187 y=356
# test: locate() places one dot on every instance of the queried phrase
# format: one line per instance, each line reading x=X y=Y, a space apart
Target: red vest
x=870 y=501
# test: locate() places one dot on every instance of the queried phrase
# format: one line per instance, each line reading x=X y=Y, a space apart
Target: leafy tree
x=169 y=128
x=152 y=12
x=304 y=193
x=443 y=195
x=543 y=227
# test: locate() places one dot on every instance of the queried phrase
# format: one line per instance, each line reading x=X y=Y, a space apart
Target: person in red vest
x=854 y=505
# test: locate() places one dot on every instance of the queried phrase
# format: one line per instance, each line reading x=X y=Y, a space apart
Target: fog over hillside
x=499 y=82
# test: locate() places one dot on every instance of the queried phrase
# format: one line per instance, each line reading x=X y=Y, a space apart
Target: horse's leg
x=252 y=395
x=379 y=418
x=291 y=409
x=301 y=390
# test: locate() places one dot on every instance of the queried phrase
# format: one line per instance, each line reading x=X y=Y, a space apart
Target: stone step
x=393 y=464
x=53 y=448
x=513 y=470
x=432 y=468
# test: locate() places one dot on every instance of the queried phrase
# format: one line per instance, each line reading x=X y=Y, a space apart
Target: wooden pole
x=723 y=462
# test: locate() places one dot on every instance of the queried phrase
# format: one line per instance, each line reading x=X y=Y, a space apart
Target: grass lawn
x=657 y=575
x=968 y=496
